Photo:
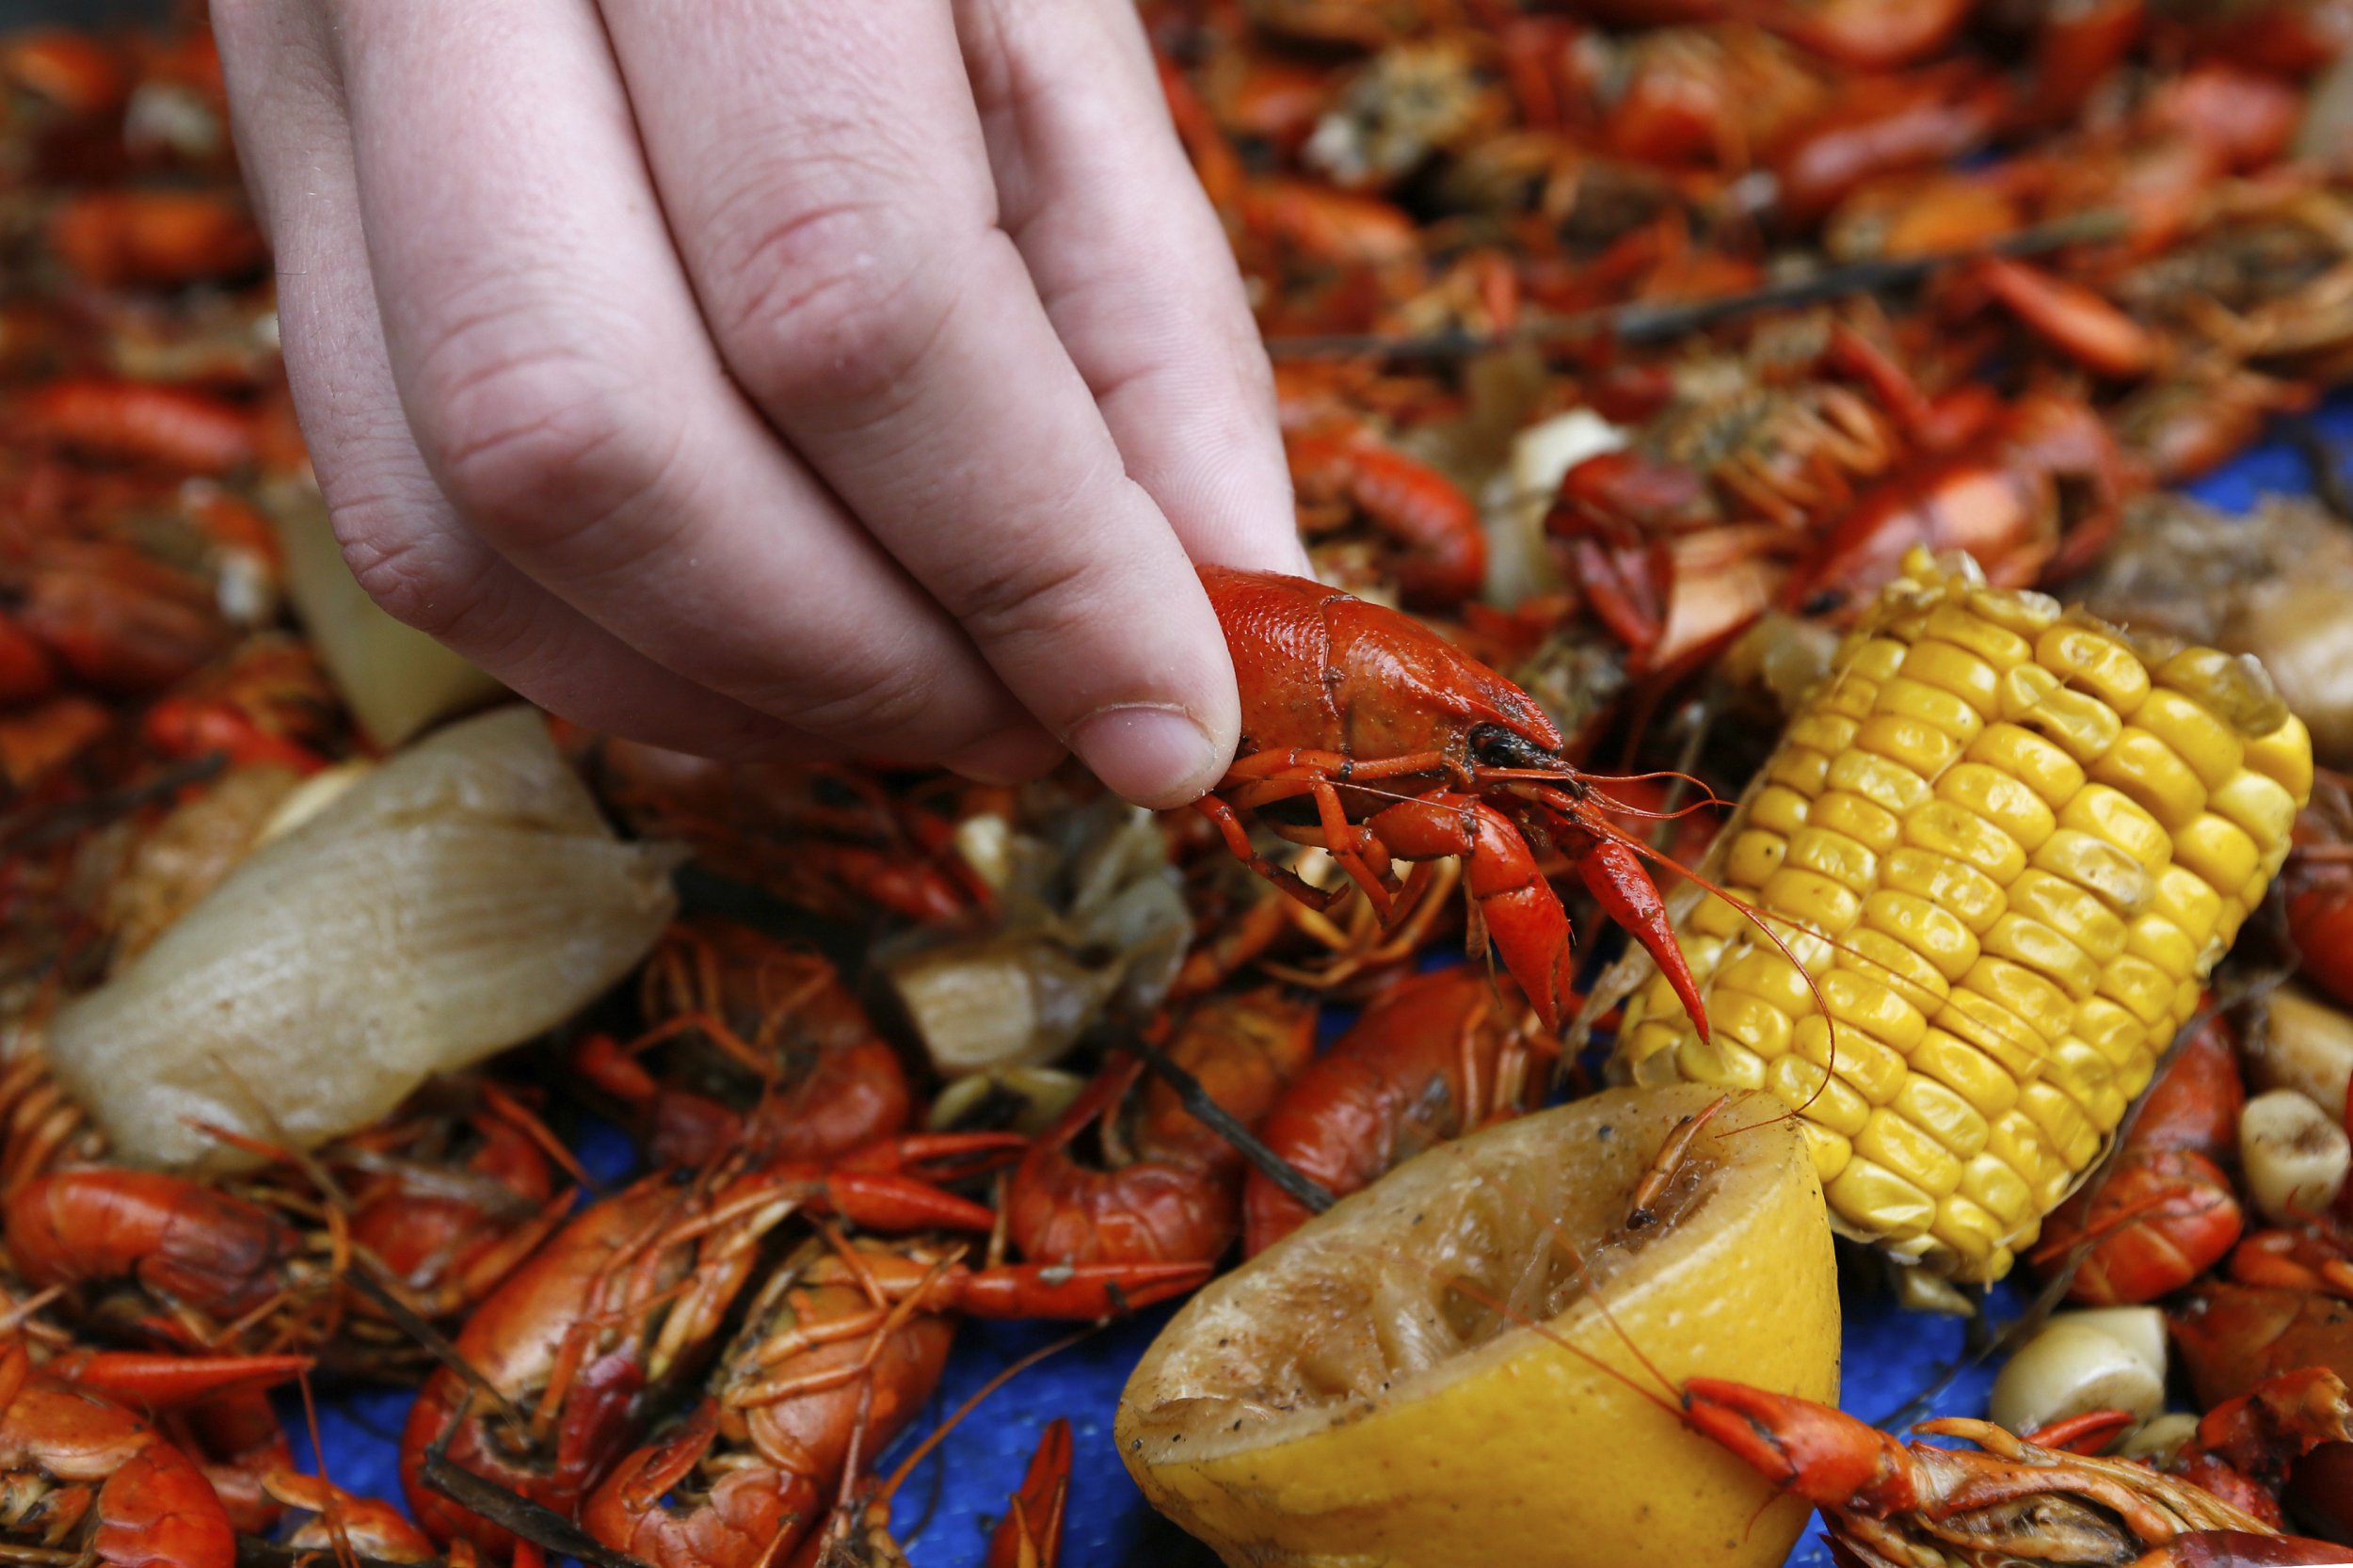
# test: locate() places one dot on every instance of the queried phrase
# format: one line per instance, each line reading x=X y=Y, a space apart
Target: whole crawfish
x=622 y=1303
x=1889 y=1503
x=1434 y=1057
x=1168 y=1187
x=838 y=1354
x=1367 y=735
x=754 y=1043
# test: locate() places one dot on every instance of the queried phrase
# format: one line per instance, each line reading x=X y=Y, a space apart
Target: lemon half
x=1411 y=1378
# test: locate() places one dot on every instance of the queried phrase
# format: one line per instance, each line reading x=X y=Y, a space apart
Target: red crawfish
x=621 y=1304
x=858 y=1535
x=1888 y=1503
x=840 y=1351
x=82 y=1480
x=755 y=1044
x=1434 y=1057
x=2232 y=1336
x=2319 y=881
x=1167 y=1187
x=2163 y=1212
x=1367 y=735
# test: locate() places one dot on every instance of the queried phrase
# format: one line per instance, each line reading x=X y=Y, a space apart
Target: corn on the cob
x=2008 y=844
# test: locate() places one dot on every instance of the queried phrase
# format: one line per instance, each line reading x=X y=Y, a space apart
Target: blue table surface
x=947 y=1509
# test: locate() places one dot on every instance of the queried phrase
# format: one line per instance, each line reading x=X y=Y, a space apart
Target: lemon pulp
x=1450 y=1367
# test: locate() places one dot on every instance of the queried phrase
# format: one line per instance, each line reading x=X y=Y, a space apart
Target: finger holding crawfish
x=1433 y=1058
x=1889 y=1503
x=88 y=1481
x=1367 y=735
x=838 y=1353
x=1168 y=1187
x=621 y=1304
x=2163 y=1211
x=755 y=1044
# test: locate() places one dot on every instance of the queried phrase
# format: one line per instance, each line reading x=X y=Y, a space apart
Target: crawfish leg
x=1238 y=839
x=1531 y=930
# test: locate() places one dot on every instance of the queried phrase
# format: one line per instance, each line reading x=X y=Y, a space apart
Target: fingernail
x=1151 y=755
x=1009 y=756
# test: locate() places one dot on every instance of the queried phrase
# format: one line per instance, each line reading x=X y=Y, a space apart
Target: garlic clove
x=2295 y=1154
x=2138 y=1329
x=2306 y=1045
x=2069 y=1368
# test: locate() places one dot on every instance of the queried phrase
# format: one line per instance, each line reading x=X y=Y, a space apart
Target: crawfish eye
x=1493 y=747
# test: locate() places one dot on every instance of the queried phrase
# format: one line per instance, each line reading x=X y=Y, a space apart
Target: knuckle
x=877 y=696
x=834 y=301
x=1020 y=596
x=536 y=440
x=405 y=574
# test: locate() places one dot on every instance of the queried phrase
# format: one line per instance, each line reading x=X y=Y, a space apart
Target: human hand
x=774 y=379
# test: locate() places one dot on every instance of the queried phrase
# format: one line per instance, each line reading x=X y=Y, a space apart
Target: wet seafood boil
x=1753 y=629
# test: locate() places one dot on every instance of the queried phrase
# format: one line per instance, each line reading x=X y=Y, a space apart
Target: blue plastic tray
x=948 y=1507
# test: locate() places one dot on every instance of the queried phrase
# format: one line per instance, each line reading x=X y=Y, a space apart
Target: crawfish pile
x=1625 y=343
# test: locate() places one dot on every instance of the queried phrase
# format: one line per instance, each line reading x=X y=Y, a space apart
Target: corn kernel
x=1750 y=1019
x=1900 y=968
x=1763 y=972
x=2042 y=948
x=1828 y=733
x=1865 y=1004
x=2055 y=1110
x=1988 y=1087
x=1809 y=1089
x=2047 y=1009
x=1801 y=768
x=1872 y=826
x=2045 y=768
x=1908 y=1151
x=2095 y=864
x=1850 y=696
x=1994 y=1030
x=2000 y=799
x=2078 y=723
x=2189 y=902
x=1830 y=1151
x=2219 y=851
x=1809 y=899
x=2111 y=1029
x=1935 y=934
x=1720 y=1061
x=2212 y=748
x=2161 y=943
x=2146 y=769
x=2020 y=610
x=1971 y=1234
x=2103 y=813
x=1950 y=829
x=2001 y=1190
x=1646 y=1039
x=2018 y=1141
x=1956 y=670
x=2088 y=1079
x=1869 y=1193
x=1878 y=659
x=2096 y=663
x=1916 y=743
x=1951 y=1120
x=1717 y=917
x=2285 y=758
x=1965 y=890
x=1949 y=714
x=1996 y=645
x=1874 y=1069
x=2145 y=990
x=1778 y=809
x=2064 y=906
x=1755 y=855
x=1833 y=854
x=1890 y=786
